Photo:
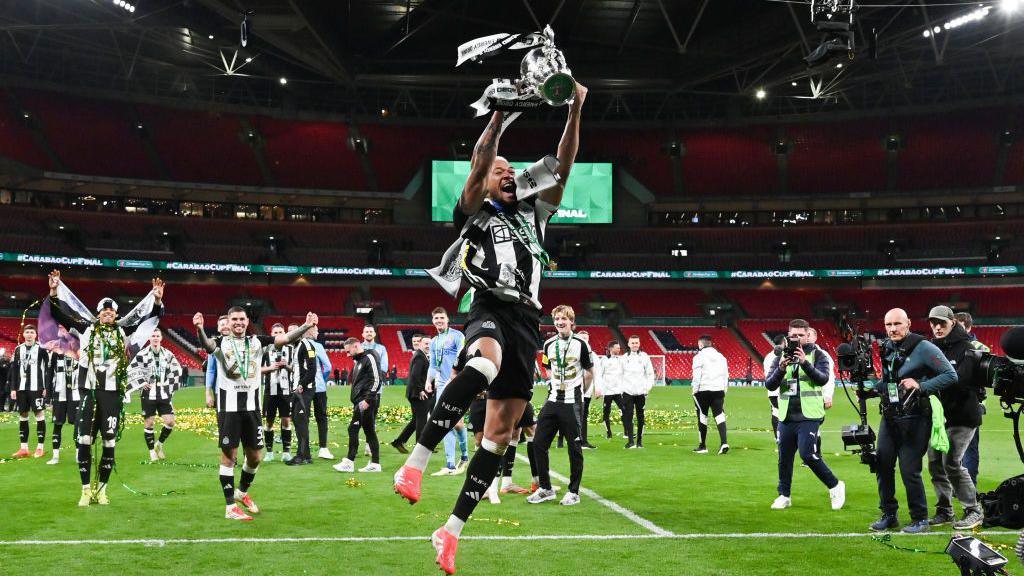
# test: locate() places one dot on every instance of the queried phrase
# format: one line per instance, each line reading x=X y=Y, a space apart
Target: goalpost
x=659 y=369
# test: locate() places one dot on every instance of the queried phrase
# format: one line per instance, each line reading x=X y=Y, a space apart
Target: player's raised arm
x=297 y=334
x=484 y=153
x=567 y=147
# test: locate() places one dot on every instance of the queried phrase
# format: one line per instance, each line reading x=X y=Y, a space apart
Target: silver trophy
x=545 y=77
x=545 y=73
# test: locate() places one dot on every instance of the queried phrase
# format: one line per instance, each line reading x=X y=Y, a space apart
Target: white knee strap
x=22 y=418
x=40 y=417
x=109 y=443
x=85 y=440
x=514 y=442
x=493 y=447
x=720 y=419
x=247 y=470
x=702 y=417
x=485 y=367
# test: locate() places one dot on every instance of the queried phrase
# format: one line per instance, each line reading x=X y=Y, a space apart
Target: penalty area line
x=523 y=537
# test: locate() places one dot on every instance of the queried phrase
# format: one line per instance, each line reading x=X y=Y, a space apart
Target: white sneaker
x=325 y=454
x=541 y=495
x=570 y=499
x=461 y=467
x=492 y=495
x=286 y=457
x=160 y=451
x=838 y=495
x=152 y=456
x=269 y=457
x=781 y=503
x=446 y=471
x=345 y=465
x=723 y=450
x=371 y=467
x=54 y=460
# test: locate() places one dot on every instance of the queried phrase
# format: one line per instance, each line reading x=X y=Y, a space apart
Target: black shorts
x=477 y=415
x=516 y=327
x=240 y=427
x=65 y=412
x=99 y=411
x=154 y=407
x=31 y=401
x=277 y=406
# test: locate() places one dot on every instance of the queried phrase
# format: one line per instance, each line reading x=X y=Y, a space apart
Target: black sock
x=286 y=439
x=55 y=441
x=106 y=463
x=165 y=433
x=510 y=460
x=268 y=439
x=722 y=433
x=148 y=432
x=227 y=484
x=247 y=478
x=452 y=406
x=23 y=431
x=702 y=429
x=483 y=467
x=84 y=462
x=40 y=432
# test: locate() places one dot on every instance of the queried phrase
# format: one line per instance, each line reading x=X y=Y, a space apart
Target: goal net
x=659 y=369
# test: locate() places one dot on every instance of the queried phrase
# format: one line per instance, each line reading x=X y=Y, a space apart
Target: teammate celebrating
x=238 y=404
x=66 y=397
x=444 y=353
x=570 y=370
x=366 y=382
x=158 y=374
x=103 y=371
x=611 y=386
x=304 y=373
x=29 y=376
x=638 y=378
x=500 y=253
x=277 y=395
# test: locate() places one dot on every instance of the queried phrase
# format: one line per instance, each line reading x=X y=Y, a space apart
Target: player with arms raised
x=500 y=253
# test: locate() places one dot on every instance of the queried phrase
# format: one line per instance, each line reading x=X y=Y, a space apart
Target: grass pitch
x=317 y=521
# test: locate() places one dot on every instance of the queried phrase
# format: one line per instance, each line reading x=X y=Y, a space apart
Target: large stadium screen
x=587 y=198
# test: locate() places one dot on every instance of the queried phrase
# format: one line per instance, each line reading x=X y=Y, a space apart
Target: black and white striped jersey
x=278 y=382
x=503 y=254
x=99 y=372
x=238 y=372
x=157 y=368
x=29 y=368
x=64 y=387
x=566 y=359
x=304 y=368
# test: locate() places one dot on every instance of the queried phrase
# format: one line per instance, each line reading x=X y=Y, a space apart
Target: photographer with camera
x=912 y=369
x=800 y=375
x=963 y=416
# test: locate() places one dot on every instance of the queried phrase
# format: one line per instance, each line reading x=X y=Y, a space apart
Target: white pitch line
x=615 y=507
x=524 y=537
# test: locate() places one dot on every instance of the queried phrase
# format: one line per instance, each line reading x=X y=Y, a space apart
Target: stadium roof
x=646 y=60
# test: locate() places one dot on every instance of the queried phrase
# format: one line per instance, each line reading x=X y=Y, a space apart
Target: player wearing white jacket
x=611 y=383
x=637 y=378
x=710 y=381
x=829 y=389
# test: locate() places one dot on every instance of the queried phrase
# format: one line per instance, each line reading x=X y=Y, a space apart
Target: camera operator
x=773 y=395
x=799 y=375
x=912 y=368
x=963 y=416
x=972 y=458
